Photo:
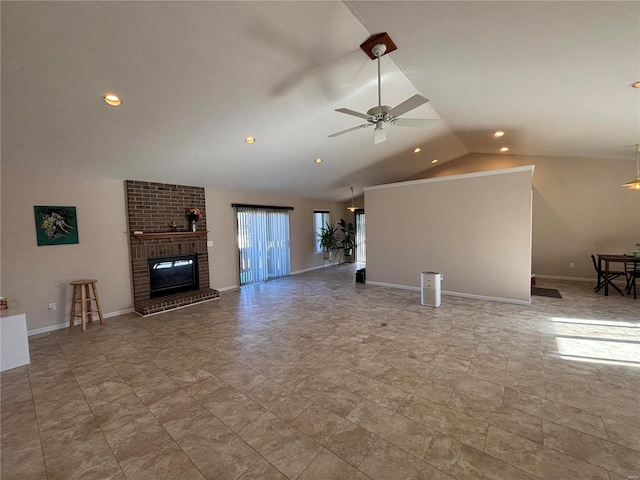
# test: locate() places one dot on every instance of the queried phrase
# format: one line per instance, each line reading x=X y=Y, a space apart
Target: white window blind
x=263 y=243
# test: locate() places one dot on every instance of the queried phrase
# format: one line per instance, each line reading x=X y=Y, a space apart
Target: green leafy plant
x=348 y=236
x=328 y=237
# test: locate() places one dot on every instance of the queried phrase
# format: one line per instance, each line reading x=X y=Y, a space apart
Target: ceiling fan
x=381 y=115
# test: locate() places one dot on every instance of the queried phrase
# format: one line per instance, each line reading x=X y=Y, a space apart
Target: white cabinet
x=14 y=346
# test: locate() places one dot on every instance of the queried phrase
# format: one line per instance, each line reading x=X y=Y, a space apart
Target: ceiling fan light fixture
x=111 y=99
x=635 y=183
x=352 y=208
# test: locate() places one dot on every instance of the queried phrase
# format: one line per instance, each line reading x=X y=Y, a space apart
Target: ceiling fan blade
x=354 y=113
x=415 y=122
x=365 y=125
x=408 y=105
x=379 y=135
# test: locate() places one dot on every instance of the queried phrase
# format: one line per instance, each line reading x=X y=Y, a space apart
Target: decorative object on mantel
x=56 y=225
x=637 y=254
x=174 y=226
x=194 y=214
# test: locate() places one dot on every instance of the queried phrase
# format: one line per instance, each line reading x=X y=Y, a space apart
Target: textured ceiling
x=198 y=77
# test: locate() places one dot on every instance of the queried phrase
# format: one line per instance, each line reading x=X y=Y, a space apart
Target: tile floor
x=297 y=378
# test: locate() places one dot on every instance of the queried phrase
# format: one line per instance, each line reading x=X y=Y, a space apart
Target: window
x=361 y=238
x=263 y=242
x=320 y=219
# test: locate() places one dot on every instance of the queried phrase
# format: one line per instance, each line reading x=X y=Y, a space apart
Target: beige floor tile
x=262 y=470
x=596 y=451
x=179 y=413
x=347 y=440
x=84 y=457
x=623 y=433
x=106 y=391
x=327 y=465
x=373 y=390
x=466 y=463
x=456 y=425
x=467 y=383
x=501 y=416
x=235 y=409
x=397 y=429
x=309 y=345
x=388 y=462
x=282 y=445
x=279 y=400
x=538 y=460
x=556 y=412
x=22 y=461
x=418 y=385
x=335 y=398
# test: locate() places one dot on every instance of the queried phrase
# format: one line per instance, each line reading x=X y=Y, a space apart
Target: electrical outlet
x=52 y=306
x=209 y=243
x=572 y=265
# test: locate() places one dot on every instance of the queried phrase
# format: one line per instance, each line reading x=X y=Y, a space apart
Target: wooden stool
x=82 y=294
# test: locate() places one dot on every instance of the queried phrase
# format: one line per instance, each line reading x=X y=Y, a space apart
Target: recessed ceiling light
x=318 y=160
x=499 y=133
x=504 y=149
x=435 y=160
x=417 y=150
x=249 y=140
x=636 y=85
x=112 y=99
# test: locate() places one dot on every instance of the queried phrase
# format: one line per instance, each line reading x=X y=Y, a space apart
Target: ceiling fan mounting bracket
x=374 y=40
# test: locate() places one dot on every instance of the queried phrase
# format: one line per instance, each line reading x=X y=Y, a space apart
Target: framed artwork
x=56 y=225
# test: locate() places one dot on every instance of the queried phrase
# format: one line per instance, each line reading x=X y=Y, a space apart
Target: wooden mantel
x=168 y=235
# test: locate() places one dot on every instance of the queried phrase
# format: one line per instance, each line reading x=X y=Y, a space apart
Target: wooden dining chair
x=632 y=270
x=612 y=275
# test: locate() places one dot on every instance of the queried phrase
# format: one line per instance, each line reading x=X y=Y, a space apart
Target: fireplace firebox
x=175 y=274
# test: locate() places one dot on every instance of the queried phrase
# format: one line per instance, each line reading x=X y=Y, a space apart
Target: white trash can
x=430 y=288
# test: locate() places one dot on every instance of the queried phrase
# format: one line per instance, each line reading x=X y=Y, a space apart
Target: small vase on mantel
x=194 y=224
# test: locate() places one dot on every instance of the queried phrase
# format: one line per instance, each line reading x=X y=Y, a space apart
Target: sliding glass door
x=263 y=243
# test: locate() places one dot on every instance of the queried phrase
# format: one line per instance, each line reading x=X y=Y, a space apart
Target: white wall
x=31 y=277
x=223 y=256
x=579 y=208
x=475 y=229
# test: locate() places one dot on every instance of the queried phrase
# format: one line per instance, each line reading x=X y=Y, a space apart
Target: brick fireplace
x=152 y=209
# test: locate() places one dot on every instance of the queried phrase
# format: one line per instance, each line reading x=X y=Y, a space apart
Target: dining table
x=608 y=258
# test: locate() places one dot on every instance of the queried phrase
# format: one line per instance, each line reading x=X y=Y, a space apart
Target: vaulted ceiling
x=196 y=78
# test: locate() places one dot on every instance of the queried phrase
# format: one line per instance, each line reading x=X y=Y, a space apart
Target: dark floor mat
x=545 y=292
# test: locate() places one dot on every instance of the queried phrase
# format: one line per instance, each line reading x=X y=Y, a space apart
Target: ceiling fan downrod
x=378 y=50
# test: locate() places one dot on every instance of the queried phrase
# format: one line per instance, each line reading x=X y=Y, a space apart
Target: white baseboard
x=226 y=289
x=577 y=279
x=306 y=270
x=455 y=294
x=59 y=326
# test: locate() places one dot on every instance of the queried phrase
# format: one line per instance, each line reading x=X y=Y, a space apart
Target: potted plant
x=348 y=239
x=637 y=254
x=328 y=238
